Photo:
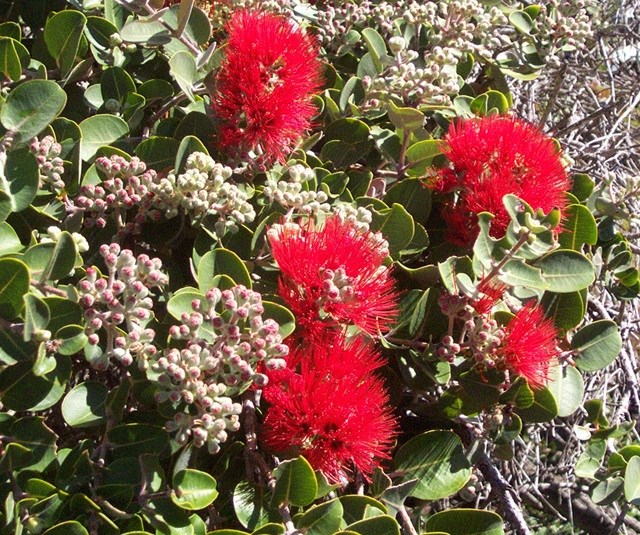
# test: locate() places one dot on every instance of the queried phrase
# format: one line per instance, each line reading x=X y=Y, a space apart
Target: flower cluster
x=526 y=346
x=264 y=87
x=53 y=236
x=333 y=275
x=404 y=80
x=291 y=191
x=134 y=194
x=328 y=405
x=492 y=157
x=529 y=345
x=204 y=189
x=229 y=347
x=120 y=305
x=51 y=166
x=127 y=186
x=334 y=411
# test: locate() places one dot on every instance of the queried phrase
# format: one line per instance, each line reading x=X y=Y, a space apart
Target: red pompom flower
x=334 y=412
x=264 y=86
x=333 y=276
x=492 y=157
x=530 y=345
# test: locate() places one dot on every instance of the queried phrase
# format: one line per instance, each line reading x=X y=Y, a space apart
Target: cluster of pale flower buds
x=290 y=191
x=228 y=347
x=204 y=189
x=128 y=185
x=485 y=337
x=120 y=305
x=47 y=153
x=134 y=195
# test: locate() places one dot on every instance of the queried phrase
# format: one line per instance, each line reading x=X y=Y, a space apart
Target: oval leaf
x=84 y=405
x=30 y=107
x=437 y=460
x=598 y=344
x=193 y=489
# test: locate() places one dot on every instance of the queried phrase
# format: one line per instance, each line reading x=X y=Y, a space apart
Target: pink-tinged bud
x=100 y=285
x=94 y=339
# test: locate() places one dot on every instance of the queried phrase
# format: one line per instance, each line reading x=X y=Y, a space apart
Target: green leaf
x=20 y=179
x=10 y=64
x=632 y=481
x=578 y=227
x=24 y=390
x=183 y=68
x=135 y=439
x=72 y=339
x=6 y=205
x=321 y=519
x=63 y=34
x=567 y=387
x=437 y=460
x=14 y=283
x=180 y=302
x=598 y=344
x=521 y=21
x=543 y=409
x=84 y=405
x=608 y=491
x=222 y=262
x=490 y=101
x=566 y=271
x=13 y=349
x=567 y=310
x=63 y=312
x=583 y=186
x=63 y=258
x=295 y=483
x=69 y=527
x=378 y=525
x=517 y=273
x=155 y=89
x=268 y=529
x=356 y=507
x=376 y=46
x=31 y=433
x=197 y=26
x=116 y=83
x=396 y=225
x=36 y=316
x=413 y=196
x=420 y=156
x=9 y=241
x=98 y=31
x=249 y=505
x=159 y=153
x=98 y=131
x=193 y=490
x=407 y=119
x=348 y=140
x=466 y=522
x=145 y=31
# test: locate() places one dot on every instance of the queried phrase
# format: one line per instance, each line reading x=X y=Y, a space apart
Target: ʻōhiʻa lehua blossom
x=333 y=275
x=491 y=157
x=334 y=412
x=529 y=345
x=264 y=86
